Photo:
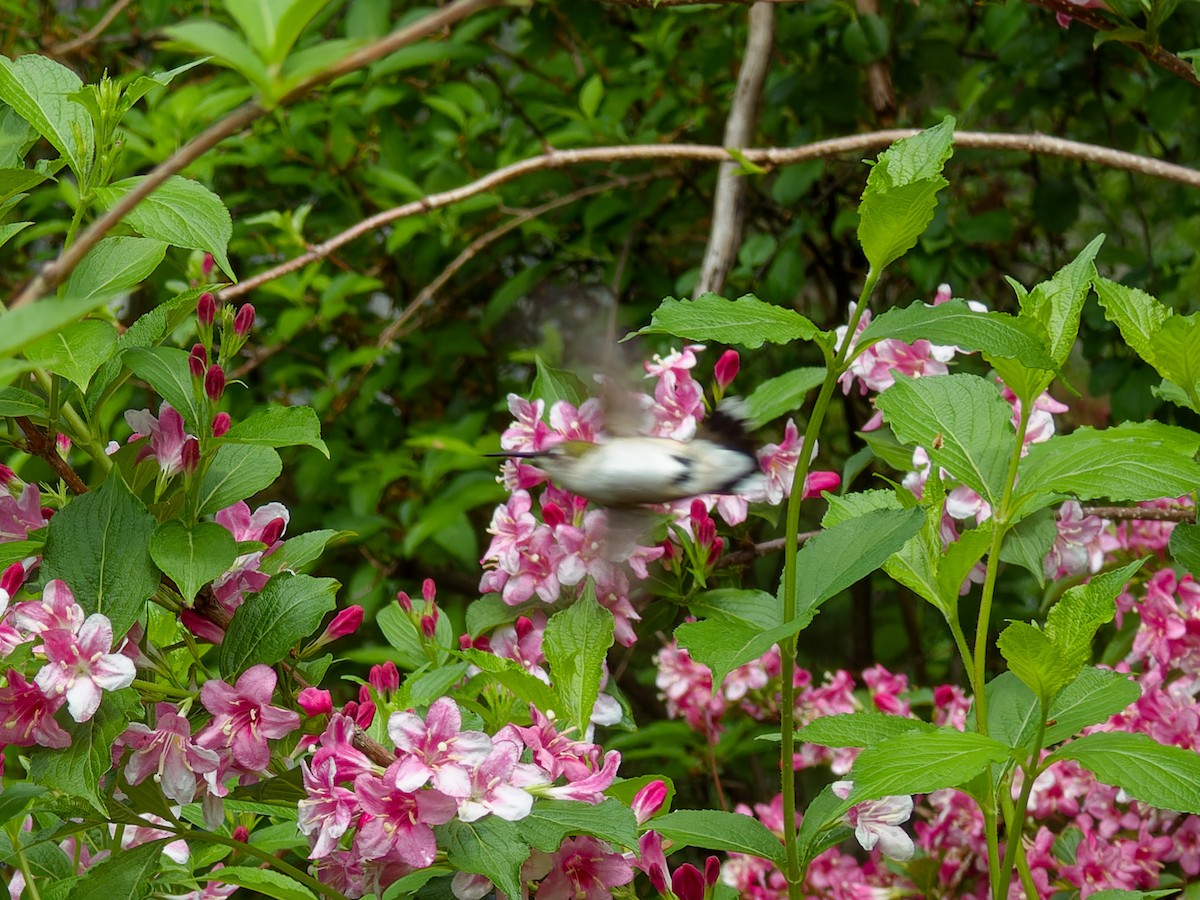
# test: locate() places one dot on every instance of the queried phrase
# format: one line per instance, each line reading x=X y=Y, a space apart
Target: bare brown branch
x=1142 y=513
x=38 y=443
x=1037 y=144
x=68 y=47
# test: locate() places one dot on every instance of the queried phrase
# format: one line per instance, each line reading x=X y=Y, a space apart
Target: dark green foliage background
x=403 y=422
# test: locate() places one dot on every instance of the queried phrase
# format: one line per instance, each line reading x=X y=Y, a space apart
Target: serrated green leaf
x=284 y=612
x=746 y=321
x=552 y=820
x=1166 y=777
x=1094 y=696
x=15 y=402
x=1057 y=303
x=237 y=472
x=862 y=729
x=712 y=829
x=279 y=426
x=490 y=847
x=923 y=762
x=512 y=675
x=126 y=874
x=1135 y=313
x=1185 y=547
x=192 y=557
x=266 y=882
x=40 y=90
x=1027 y=543
x=115 y=265
x=75 y=352
x=22 y=327
x=551 y=385
x=576 y=643
x=302 y=550
x=784 y=394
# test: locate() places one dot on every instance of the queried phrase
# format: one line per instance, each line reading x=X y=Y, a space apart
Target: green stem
x=834 y=366
x=154 y=687
x=31 y=887
x=1016 y=821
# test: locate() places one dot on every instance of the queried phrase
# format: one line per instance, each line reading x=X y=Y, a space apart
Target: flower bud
x=404 y=601
x=63 y=443
x=214 y=383
x=315 y=702
x=553 y=515
x=197 y=361
x=428 y=590
x=523 y=627
x=384 y=678
x=206 y=265
x=687 y=883
x=190 y=455
x=344 y=623
x=241 y=834
x=726 y=368
x=221 y=423
x=7 y=476
x=712 y=871
x=206 y=309
x=203 y=628
x=429 y=623
x=273 y=531
x=649 y=800
x=365 y=715
x=244 y=319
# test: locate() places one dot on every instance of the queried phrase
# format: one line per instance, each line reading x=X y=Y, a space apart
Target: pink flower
x=726 y=368
x=315 y=702
x=397 y=822
x=266 y=525
x=585 y=869
x=436 y=748
x=328 y=810
x=1078 y=548
x=166 y=433
x=492 y=790
x=21 y=514
x=877 y=822
x=243 y=718
x=337 y=744
x=529 y=433
x=167 y=751
x=27 y=715
x=56 y=610
x=82 y=665
x=778 y=463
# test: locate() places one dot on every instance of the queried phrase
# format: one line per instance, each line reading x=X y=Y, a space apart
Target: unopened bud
x=344 y=623
x=523 y=627
x=11 y=581
x=7 y=476
x=206 y=266
x=205 y=629
x=206 y=309
x=365 y=715
x=429 y=624
x=428 y=590
x=384 y=678
x=273 y=531
x=241 y=834
x=245 y=319
x=315 y=702
x=404 y=601
x=726 y=368
x=197 y=361
x=214 y=382
x=649 y=800
x=687 y=883
x=553 y=515
x=712 y=871
x=190 y=455
x=221 y=423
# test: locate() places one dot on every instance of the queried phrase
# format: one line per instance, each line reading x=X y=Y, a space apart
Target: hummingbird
x=625 y=471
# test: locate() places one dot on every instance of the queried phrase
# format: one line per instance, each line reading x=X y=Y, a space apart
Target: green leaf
x=997 y=335
x=166 y=370
x=1166 y=777
x=99 y=544
x=777 y=396
x=923 y=762
x=551 y=385
x=1121 y=463
x=1057 y=303
x=1138 y=315
x=490 y=847
x=75 y=352
x=301 y=551
x=40 y=91
x=746 y=321
x=712 y=829
x=961 y=421
x=237 y=472
x=284 y=612
x=11 y=230
x=15 y=402
x=576 y=643
x=114 y=265
x=1013 y=711
x=401 y=632
x=126 y=874
x=77 y=770
x=180 y=212
x=552 y=820
x=823 y=825
x=1177 y=352
x=862 y=729
x=512 y=675
x=192 y=557
x=901 y=194
x=24 y=326
x=273 y=26
x=266 y=882
x=1184 y=546
x=1094 y=696
x=757 y=608
x=279 y=426
x=1027 y=543
x=14 y=181
x=590 y=96
x=723 y=645
x=224 y=45
x=16 y=799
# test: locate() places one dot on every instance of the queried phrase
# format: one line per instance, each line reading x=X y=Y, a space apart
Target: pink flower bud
x=688 y=883
x=11 y=580
x=221 y=423
x=365 y=715
x=712 y=871
x=345 y=622
x=384 y=678
x=658 y=879
x=197 y=361
x=714 y=551
x=63 y=443
x=315 y=702
x=206 y=309
x=553 y=515
x=190 y=455
x=428 y=590
x=350 y=710
x=214 y=383
x=429 y=624
x=273 y=531
x=244 y=319
x=206 y=266
x=241 y=834
x=649 y=800
x=364 y=694
x=726 y=368
x=818 y=482
x=404 y=601
x=523 y=627
x=465 y=642
x=7 y=476
x=203 y=628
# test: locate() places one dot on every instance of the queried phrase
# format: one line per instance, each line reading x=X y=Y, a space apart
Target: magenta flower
x=21 y=514
x=82 y=665
x=878 y=822
x=27 y=715
x=649 y=800
x=315 y=702
x=168 y=752
x=328 y=810
x=585 y=869
x=337 y=744
x=166 y=433
x=492 y=790
x=265 y=525
x=56 y=610
x=528 y=433
x=243 y=718
x=726 y=368
x=436 y=748
x=397 y=822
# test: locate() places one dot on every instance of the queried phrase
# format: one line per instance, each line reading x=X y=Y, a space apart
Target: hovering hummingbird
x=640 y=470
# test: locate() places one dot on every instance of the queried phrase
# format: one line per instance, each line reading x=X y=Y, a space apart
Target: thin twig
x=1142 y=513
x=859 y=143
x=54 y=273
x=68 y=47
x=741 y=557
x=39 y=444
x=729 y=203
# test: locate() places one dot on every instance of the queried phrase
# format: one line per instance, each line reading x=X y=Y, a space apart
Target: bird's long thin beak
x=516 y=454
